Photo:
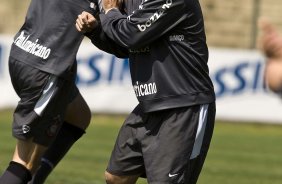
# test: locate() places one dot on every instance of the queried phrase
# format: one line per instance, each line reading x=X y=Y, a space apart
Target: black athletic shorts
x=168 y=146
x=43 y=101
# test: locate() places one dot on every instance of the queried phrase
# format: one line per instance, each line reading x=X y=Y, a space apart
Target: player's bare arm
x=271 y=45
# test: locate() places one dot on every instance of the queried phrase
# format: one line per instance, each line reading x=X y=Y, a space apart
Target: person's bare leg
x=77 y=119
x=25 y=161
x=114 y=179
x=78 y=113
x=28 y=154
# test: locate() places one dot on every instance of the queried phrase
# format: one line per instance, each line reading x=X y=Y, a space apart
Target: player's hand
x=270 y=41
x=271 y=44
x=85 y=22
x=110 y=4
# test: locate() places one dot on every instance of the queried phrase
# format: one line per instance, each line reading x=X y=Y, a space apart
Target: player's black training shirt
x=168 y=54
x=48 y=40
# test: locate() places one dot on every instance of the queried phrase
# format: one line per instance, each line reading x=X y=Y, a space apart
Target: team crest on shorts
x=54 y=127
x=25 y=129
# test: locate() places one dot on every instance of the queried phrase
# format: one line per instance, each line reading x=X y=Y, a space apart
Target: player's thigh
x=174 y=138
x=29 y=84
x=78 y=112
x=197 y=162
x=63 y=92
x=127 y=158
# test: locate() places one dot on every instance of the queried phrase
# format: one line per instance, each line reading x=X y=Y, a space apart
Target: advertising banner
x=104 y=81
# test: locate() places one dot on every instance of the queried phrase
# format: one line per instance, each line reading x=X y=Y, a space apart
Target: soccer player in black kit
x=167 y=136
x=51 y=113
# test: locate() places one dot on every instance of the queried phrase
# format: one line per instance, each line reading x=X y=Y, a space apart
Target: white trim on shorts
x=47 y=94
x=200 y=131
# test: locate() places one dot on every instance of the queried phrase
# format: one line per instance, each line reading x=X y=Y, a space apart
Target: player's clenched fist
x=271 y=41
x=271 y=45
x=85 y=22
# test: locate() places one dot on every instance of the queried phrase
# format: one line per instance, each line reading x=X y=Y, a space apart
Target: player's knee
x=112 y=179
x=88 y=115
x=82 y=109
x=78 y=113
x=109 y=178
x=85 y=121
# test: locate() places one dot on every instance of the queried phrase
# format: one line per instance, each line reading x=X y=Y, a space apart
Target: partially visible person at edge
x=167 y=136
x=42 y=66
x=270 y=43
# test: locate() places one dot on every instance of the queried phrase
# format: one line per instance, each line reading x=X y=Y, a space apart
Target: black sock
x=66 y=137
x=15 y=174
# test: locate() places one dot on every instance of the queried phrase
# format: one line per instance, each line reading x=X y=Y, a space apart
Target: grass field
x=240 y=153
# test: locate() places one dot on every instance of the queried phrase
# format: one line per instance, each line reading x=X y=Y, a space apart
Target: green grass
x=239 y=154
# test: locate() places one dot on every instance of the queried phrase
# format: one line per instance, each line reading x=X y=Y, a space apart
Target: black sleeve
x=103 y=42
x=153 y=19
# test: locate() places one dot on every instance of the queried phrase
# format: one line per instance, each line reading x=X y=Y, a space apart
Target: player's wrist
x=107 y=10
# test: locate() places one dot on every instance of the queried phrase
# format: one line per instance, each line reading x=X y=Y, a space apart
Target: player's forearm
x=146 y=24
x=103 y=42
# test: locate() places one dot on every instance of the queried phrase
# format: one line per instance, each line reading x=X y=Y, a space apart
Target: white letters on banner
x=104 y=81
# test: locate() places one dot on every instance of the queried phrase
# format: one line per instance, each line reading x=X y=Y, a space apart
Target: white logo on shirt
x=145 y=89
x=176 y=38
x=155 y=16
x=33 y=48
